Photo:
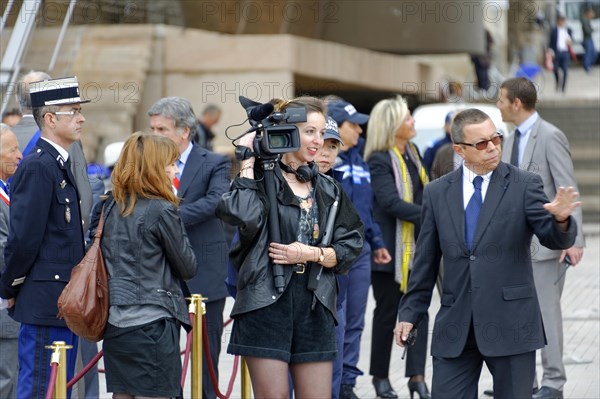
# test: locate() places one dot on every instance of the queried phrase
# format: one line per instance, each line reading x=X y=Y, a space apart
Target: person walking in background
x=147 y=256
x=481 y=218
x=540 y=147
x=356 y=181
x=10 y=157
x=591 y=54
x=398 y=178
x=211 y=114
x=291 y=331
x=431 y=152
x=12 y=116
x=560 y=41
x=203 y=177
x=40 y=256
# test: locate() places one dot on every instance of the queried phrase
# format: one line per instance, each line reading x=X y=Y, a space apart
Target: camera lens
x=279 y=141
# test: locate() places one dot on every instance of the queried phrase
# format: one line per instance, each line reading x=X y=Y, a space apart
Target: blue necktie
x=472 y=212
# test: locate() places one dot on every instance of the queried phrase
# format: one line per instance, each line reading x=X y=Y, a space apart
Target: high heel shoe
x=420 y=388
x=384 y=389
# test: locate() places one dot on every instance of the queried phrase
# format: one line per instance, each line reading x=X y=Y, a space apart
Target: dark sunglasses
x=482 y=145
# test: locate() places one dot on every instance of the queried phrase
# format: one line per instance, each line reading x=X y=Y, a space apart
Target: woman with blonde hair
x=398 y=177
x=291 y=331
x=147 y=256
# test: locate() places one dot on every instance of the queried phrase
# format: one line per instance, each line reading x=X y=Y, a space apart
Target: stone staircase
x=111 y=63
x=580 y=120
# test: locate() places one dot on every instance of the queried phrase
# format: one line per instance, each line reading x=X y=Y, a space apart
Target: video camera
x=276 y=132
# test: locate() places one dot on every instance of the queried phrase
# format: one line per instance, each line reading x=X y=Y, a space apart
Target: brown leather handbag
x=83 y=303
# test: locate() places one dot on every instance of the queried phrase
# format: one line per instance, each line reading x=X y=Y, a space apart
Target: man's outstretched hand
x=564 y=203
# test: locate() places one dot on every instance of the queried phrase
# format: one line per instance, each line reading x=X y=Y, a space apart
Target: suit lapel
x=455 y=201
x=529 y=148
x=498 y=184
x=192 y=166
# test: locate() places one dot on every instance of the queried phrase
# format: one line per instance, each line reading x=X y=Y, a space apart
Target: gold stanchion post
x=246 y=382
x=198 y=308
x=59 y=356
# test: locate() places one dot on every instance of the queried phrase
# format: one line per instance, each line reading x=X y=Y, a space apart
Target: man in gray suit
x=540 y=147
x=481 y=219
x=10 y=156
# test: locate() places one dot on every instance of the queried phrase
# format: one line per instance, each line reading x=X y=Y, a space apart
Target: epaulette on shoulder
x=38 y=152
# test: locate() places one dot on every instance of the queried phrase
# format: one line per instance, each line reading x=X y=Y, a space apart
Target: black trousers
x=387 y=298
x=459 y=377
x=214 y=330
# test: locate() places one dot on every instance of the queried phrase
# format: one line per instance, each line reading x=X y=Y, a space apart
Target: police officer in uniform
x=46 y=238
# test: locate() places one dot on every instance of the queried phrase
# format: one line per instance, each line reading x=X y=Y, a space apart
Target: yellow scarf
x=405 y=231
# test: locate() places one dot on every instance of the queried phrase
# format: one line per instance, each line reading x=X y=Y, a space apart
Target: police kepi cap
x=61 y=91
x=331 y=130
x=342 y=111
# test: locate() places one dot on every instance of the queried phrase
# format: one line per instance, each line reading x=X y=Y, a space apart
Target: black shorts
x=144 y=361
x=287 y=330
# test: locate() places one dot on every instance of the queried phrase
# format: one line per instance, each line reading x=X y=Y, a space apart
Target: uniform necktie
x=472 y=212
x=514 y=155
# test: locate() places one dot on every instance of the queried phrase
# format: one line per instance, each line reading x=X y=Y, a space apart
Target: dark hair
x=11 y=112
x=470 y=116
x=523 y=89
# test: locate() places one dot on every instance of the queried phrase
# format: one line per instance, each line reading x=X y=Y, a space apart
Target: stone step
x=590 y=205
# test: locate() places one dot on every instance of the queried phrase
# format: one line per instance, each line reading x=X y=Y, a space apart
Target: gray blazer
x=547 y=154
x=8 y=327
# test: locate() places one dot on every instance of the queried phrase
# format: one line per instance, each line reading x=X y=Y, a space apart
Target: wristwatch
x=321 y=255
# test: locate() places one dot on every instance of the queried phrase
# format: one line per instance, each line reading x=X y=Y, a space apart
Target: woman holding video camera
x=290 y=331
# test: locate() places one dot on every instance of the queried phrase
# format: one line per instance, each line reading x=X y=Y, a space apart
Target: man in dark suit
x=45 y=238
x=481 y=219
x=28 y=133
x=540 y=147
x=203 y=178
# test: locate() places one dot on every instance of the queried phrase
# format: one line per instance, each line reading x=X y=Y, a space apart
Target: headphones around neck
x=304 y=173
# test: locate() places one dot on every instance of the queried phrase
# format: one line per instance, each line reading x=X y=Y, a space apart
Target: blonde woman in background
x=397 y=177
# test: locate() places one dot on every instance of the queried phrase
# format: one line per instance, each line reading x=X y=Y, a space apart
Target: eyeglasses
x=483 y=144
x=68 y=113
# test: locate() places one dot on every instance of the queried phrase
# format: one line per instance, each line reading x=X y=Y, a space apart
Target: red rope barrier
x=186 y=361
x=84 y=370
x=188 y=348
x=211 y=370
x=52 y=382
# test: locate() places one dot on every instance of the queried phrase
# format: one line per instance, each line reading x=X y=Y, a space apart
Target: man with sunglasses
x=540 y=147
x=46 y=237
x=481 y=219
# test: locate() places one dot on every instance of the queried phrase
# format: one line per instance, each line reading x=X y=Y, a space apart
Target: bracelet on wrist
x=562 y=221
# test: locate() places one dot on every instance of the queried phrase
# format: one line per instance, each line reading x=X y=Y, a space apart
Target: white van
x=429 y=121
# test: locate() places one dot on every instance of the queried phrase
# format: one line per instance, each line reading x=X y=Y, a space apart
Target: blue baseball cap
x=342 y=111
x=331 y=130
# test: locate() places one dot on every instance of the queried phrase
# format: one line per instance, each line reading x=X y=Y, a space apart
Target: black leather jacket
x=147 y=256
x=246 y=207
